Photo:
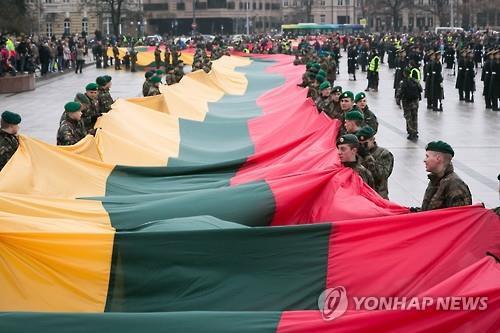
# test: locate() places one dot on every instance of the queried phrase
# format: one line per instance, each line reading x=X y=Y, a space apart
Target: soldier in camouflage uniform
x=170 y=77
x=445 y=188
x=8 y=136
x=313 y=91
x=334 y=111
x=90 y=108
x=347 y=146
x=207 y=65
x=379 y=161
x=179 y=71
x=147 y=83
x=353 y=121
x=103 y=96
x=409 y=92
x=155 y=86
x=370 y=118
x=323 y=101
x=71 y=130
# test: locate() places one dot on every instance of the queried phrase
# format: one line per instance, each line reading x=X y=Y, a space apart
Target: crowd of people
x=416 y=60
x=22 y=54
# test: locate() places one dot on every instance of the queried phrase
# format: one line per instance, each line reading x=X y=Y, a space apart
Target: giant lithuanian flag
x=221 y=206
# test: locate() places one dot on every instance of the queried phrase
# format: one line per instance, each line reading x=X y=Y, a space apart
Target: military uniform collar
x=435 y=178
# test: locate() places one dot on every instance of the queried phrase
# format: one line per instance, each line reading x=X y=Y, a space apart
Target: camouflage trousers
x=410 y=112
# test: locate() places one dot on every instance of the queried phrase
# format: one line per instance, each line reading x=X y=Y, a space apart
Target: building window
x=67 y=26
x=268 y=6
x=322 y=18
x=323 y=3
x=285 y=18
x=49 y=29
x=85 y=25
x=260 y=5
x=420 y=22
x=430 y=21
x=180 y=6
x=410 y=21
x=107 y=25
x=48 y=1
x=231 y=5
x=294 y=3
x=340 y=3
x=285 y=4
x=347 y=2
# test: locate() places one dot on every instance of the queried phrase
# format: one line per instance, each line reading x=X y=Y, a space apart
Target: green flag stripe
x=249 y=269
x=181 y=322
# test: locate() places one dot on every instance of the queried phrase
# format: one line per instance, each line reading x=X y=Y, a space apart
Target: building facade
x=68 y=17
x=211 y=16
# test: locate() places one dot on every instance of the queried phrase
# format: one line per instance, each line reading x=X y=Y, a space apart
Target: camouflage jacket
x=323 y=103
x=178 y=74
x=381 y=169
x=364 y=173
x=90 y=110
x=446 y=191
x=313 y=92
x=154 y=90
x=70 y=132
x=145 y=88
x=333 y=111
x=105 y=100
x=8 y=146
x=370 y=118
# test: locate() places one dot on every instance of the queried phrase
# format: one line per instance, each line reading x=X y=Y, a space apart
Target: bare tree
x=114 y=8
x=392 y=8
x=13 y=16
x=438 y=8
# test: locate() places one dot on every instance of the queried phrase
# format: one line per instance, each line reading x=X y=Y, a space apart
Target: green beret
x=309 y=64
x=313 y=70
x=316 y=65
x=311 y=76
x=322 y=72
x=11 y=117
x=354 y=115
x=324 y=85
x=101 y=81
x=320 y=78
x=160 y=72
x=441 y=147
x=359 y=96
x=347 y=94
x=149 y=74
x=91 y=86
x=107 y=78
x=72 y=107
x=156 y=79
x=348 y=139
x=365 y=133
x=337 y=89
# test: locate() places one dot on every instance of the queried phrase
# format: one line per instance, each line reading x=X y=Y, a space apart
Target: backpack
x=411 y=89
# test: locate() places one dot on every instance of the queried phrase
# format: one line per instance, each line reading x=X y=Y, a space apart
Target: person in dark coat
x=44 y=58
x=352 y=55
x=486 y=78
x=469 y=85
x=435 y=93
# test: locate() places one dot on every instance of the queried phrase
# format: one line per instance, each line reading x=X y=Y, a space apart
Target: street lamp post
x=193 y=25
x=246 y=10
